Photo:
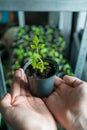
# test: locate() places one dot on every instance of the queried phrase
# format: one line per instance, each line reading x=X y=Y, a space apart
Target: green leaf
x=35 y=40
x=33 y=46
x=29 y=53
x=50 y=31
x=56 y=54
x=44 y=50
x=34 y=63
x=60 y=39
x=46 y=63
x=41 y=46
x=26 y=37
x=63 y=44
x=41 y=66
x=38 y=56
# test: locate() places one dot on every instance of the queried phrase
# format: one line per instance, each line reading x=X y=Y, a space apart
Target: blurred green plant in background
x=53 y=40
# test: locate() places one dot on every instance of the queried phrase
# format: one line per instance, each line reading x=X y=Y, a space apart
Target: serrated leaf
x=35 y=40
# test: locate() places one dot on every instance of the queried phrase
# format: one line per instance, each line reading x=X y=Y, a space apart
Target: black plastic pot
x=42 y=87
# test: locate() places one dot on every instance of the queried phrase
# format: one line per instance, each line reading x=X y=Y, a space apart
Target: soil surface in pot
x=49 y=71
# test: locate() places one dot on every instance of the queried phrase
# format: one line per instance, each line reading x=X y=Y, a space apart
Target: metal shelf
x=43 y=5
x=3 y=90
x=82 y=54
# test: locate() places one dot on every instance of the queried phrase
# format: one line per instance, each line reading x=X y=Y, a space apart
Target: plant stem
x=39 y=58
x=37 y=51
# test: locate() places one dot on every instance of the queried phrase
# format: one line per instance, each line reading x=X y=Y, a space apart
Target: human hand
x=68 y=103
x=22 y=111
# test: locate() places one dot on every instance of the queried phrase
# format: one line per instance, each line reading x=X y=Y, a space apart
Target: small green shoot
x=37 y=62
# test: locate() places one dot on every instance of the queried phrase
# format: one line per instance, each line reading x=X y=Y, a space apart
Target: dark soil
x=49 y=71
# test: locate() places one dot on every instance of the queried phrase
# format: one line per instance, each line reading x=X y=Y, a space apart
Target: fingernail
x=66 y=77
x=22 y=74
x=18 y=73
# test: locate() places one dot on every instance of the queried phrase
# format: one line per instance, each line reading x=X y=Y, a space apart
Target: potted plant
x=40 y=72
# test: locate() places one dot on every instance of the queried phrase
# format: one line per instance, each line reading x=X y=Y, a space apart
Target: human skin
x=68 y=103
x=23 y=111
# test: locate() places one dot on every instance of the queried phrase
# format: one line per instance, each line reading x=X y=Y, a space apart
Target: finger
x=52 y=102
x=58 y=81
x=23 y=84
x=16 y=83
x=24 y=91
x=5 y=102
x=72 y=81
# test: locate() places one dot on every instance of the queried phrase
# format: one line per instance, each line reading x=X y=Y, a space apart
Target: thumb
x=72 y=81
x=5 y=102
